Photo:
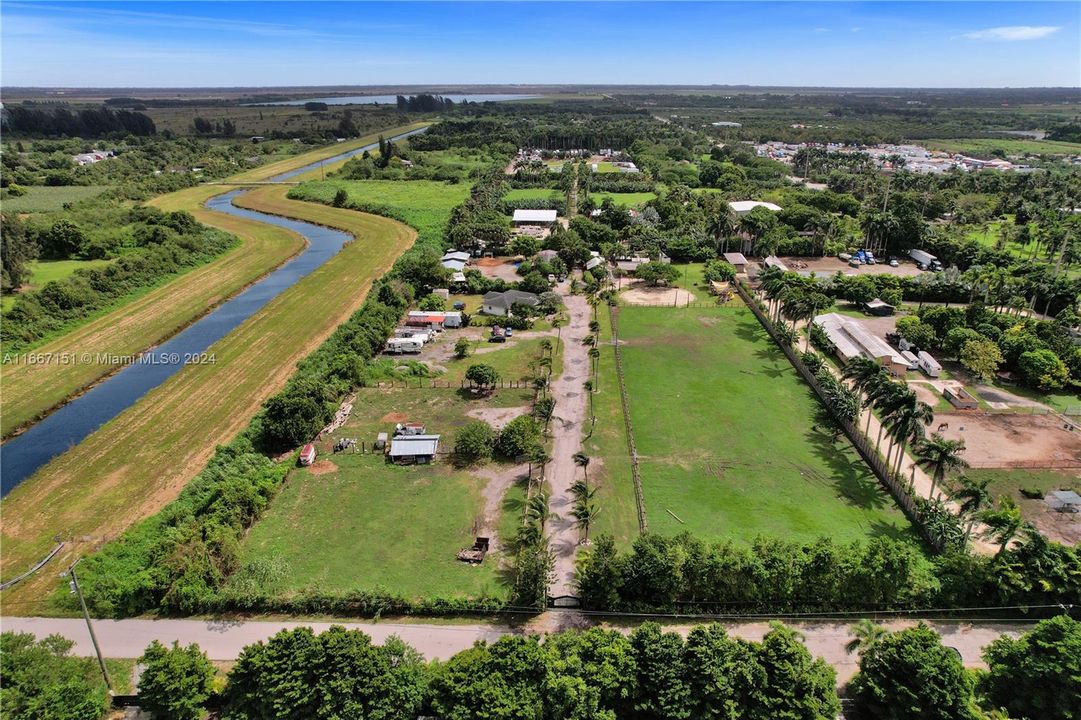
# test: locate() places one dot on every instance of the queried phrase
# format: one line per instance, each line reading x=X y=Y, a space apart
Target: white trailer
x=928 y=364
x=913 y=361
x=399 y=345
x=453 y=319
x=925 y=259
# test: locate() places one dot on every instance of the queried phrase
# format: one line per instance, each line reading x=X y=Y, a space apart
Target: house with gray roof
x=500 y=303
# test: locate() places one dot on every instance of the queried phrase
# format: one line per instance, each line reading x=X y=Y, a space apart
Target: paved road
x=224 y=639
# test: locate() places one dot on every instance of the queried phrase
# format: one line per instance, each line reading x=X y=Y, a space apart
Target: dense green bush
x=42 y=681
x=1037 y=675
x=175 y=682
x=683 y=573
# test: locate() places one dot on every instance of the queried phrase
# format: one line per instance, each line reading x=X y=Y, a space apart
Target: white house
x=851 y=339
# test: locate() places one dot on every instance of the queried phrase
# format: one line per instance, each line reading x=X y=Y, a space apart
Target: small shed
x=413 y=449
x=380 y=441
x=878 y=307
x=1064 y=501
x=774 y=261
x=307 y=455
x=736 y=260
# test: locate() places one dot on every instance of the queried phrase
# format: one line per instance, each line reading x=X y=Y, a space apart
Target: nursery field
x=731 y=441
x=47 y=198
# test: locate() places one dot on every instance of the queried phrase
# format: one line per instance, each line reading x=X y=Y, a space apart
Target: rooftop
x=403 y=445
x=745 y=206
x=538 y=216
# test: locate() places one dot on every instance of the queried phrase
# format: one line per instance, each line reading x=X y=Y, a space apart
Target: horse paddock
x=1012 y=439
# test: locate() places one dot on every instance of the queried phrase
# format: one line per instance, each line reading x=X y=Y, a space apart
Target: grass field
x=148 y=317
x=985 y=147
x=729 y=437
x=46 y=199
x=424 y=204
x=139 y=461
x=43 y=271
x=1010 y=482
x=534 y=194
x=369 y=524
x=623 y=199
x=610 y=465
x=511 y=359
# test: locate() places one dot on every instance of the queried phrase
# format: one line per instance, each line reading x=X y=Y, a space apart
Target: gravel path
x=570 y=415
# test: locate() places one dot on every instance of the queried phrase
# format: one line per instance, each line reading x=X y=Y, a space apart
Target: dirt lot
x=638 y=293
x=830 y=265
x=499 y=267
x=999 y=439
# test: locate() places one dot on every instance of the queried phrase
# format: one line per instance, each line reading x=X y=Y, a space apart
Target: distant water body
x=393 y=99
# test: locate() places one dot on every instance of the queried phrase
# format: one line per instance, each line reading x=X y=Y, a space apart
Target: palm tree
x=865 y=635
x=939 y=456
x=864 y=374
x=909 y=420
x=582 y=461
x=539 y=510
x=972 y=497
x=584 y=514
x=884 y=396
x=1004 y=523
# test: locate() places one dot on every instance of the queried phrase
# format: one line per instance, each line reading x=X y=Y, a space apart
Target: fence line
x=639 y=497
x=689 y=306
x=893 y=483
x=40 y=564
x=1036 y=464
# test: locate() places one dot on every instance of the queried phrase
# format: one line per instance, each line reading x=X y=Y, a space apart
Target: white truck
x=925 y=260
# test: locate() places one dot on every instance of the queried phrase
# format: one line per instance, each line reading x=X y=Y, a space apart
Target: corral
x=731 y=442
x=1013 y=439
x=1029 y=488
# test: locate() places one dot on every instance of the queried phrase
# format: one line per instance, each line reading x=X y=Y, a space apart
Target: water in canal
x=69 y=425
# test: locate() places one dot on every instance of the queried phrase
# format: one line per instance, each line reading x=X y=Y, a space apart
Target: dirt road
x=570 y=415
x=224 y=639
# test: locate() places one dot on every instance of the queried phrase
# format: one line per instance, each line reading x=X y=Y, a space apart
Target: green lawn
x=46 y=199
x=1010 y=482
x=511 y=359
x=623 y=199
x=424 y=204
x=368 y=524
x=730 y=440
x=43 y=271
x=534 y=194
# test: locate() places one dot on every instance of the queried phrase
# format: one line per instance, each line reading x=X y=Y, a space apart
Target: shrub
x=474 y=443
x=175 y=682
x=518 y=437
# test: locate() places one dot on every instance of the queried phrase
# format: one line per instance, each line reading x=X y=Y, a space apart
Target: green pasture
x=44 y=271
x=732 y=443
x=423 y=204
x=987 y=147
x=533 y=194
x=510 y=359
x=636 y=199
x=48 y=199
x=363 y=523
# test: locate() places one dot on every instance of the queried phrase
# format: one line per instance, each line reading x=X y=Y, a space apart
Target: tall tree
x=940 y=457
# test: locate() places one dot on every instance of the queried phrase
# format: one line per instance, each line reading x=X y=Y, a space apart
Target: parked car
x=894 y=263
x=508 y=333
x=844 y=256
x=854 y=263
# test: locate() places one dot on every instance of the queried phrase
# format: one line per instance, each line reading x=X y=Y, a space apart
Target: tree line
x=64 y=121
x=594 y=674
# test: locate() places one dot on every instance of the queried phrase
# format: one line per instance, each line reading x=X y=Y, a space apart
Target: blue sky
x=222 y=44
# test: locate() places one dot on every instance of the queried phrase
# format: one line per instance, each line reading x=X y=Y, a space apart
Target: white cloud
x=1013 y=32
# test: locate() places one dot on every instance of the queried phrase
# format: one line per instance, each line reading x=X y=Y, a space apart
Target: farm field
x=139 y=461
x=146 y=318
x=985 y=147
x=424 y=204
x=45 y=199
x=43 y=271
x=1062 y=527
x=370 y=524
x=728 y=440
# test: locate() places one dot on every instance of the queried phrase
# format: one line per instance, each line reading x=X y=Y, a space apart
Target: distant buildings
x=92 y=157
x=916 y=158
x=500 y=303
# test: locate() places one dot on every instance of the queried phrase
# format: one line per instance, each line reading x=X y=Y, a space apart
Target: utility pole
x=86 y=615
